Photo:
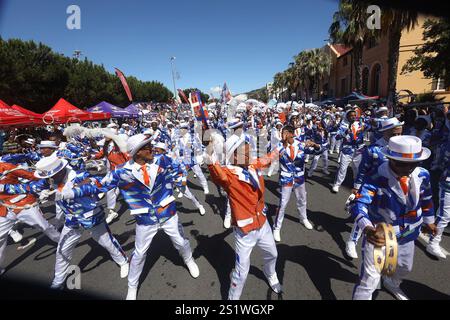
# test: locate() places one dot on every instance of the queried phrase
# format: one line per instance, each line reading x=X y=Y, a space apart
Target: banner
x=124 y=83
x=183 y=96
x=226 y=94
x=197 y=108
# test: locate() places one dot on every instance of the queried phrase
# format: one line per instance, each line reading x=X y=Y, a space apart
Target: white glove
x=45 y=194
x=2 y=187
x=67 y=194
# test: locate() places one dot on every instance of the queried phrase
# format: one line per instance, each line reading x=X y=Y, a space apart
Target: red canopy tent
x=64 y=112
x=13 y=118
x=26 y=111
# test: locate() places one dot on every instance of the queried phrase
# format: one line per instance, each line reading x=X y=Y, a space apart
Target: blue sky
x=241 y=42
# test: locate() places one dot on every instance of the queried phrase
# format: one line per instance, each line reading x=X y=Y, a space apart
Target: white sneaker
x=310 y=174
x=392 y=288
x=277 y=235
x=180 y=195
x=111 y=216
x=124 y=270
x=335 y=189
x=331 y=152
x=307 y=224
x=325 y=171
x=436 y=251
x=16 y=236
x=202 y=210
x=274 y=283
x=193 y=269
x=132 y=293
x=227 y=222
x=350 y=249
x=206 y=191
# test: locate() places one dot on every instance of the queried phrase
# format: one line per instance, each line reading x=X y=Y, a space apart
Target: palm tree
x=349 y=27
x=313 y=65
x=393 y=22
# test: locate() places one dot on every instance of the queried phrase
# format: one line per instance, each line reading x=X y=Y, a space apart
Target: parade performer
x=243 y=182
x=292 y=176
x=146 y=183
x=399 y=194
x=81 y=214
x=23 y=208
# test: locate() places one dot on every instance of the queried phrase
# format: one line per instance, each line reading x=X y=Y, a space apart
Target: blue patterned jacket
x=372 y=158
x=352 y=141
x=150 y=204
x=381 y=199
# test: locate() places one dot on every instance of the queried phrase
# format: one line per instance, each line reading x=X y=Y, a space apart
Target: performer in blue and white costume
x=398 y=193
x=84 y=213
x=292 y=176
x=320 y=137
x=146 y=183
x=352 y=133
x=443 y=216
x=372 y=158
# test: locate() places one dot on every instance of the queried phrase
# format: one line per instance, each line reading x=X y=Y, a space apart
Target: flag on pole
x=226 y=94
x=197 y=108
x=183 y=96
x=124 y=83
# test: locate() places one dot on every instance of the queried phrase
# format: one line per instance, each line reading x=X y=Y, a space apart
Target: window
x=375 y=79
x=365 y=81
x=372 y=43
x=345 y=61
x=343 y=86
x=438 y=85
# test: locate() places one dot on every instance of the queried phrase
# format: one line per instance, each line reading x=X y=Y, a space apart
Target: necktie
x=404 y=184
x=291 y=151
x=145 y=174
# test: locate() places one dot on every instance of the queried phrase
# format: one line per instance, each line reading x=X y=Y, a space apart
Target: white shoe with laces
x=16 y=236
x=132 y=294
x=436 y=251
x=277 y=235
x=274 y=283
x=193 y=269
x=124 y=269
x=350 y=249
x=335 y=189
x=111 y=216
x=202 y=210
x=227 y=222
x=394 y=290
x=307 y=224
x=206 y=191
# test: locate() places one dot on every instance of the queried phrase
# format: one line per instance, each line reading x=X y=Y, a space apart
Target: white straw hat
x=406 y=149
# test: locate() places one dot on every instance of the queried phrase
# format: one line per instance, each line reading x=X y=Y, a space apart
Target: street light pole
x=172 y=59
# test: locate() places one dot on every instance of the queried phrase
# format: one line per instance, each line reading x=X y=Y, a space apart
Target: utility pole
x=172 y=61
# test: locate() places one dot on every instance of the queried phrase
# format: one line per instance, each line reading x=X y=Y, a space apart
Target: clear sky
x=242 y=42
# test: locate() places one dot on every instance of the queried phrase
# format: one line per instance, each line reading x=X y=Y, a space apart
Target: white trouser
x=335 y=144
x=316 y=158
x=60 y=218
x=443 y=216
x=244 y=244
x=300 y=193
x=144 y=237
x=369 y=276
x=228 y=212
x=198 y=171
x=111 y=198
x=68 y=241
x=188 y=194
x=32 y=217
x=346 y=160
x=356 y=233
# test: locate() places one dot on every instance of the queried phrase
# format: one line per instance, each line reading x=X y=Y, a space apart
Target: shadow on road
x=218 y=253
x=321 y=267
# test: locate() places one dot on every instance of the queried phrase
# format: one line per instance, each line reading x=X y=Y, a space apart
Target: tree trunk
x=394 y=46
x=357 y=63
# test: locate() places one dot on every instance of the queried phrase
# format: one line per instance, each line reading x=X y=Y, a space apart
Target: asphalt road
x=311 y=264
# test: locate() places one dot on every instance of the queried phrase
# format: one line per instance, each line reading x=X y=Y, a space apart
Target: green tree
x=432 y=58
x=203 y=96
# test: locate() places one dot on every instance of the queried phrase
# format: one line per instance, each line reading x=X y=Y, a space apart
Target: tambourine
x=385 y=257
x=48 y=115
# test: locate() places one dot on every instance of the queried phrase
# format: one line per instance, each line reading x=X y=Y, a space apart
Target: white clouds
x=214 y=90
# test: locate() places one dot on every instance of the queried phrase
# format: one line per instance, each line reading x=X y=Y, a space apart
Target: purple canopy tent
x=133 y=110
x=115 y=112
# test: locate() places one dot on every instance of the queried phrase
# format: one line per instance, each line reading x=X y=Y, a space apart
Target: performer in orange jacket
x=114 y=158
x=23 y=208
x=244 y=185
